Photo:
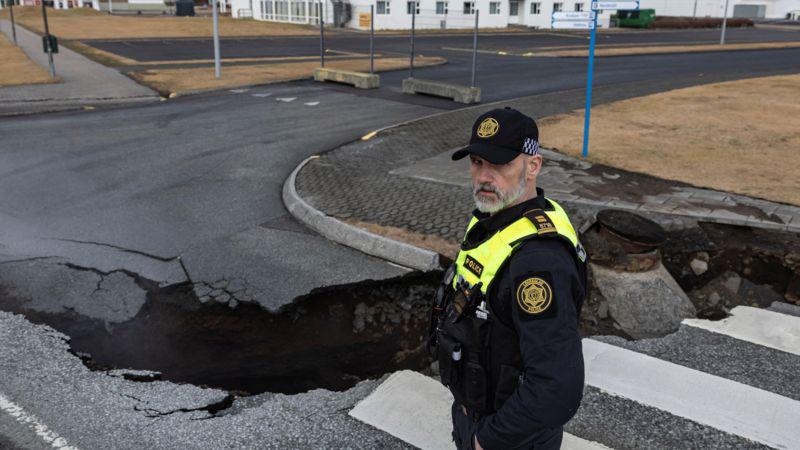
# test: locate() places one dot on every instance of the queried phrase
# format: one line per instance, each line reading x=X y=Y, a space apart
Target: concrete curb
x=351 y=236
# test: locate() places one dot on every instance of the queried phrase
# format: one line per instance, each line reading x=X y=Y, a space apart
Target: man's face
x=496 y=186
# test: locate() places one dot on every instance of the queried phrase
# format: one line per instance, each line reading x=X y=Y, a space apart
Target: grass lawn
x=87 y=23
x=179 y=81
x=739 y=136
x=17 y=68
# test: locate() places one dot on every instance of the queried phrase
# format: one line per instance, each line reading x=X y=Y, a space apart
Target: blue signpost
x=596 y=8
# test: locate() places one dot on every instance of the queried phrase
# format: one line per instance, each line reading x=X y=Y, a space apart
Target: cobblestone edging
x=352 y=236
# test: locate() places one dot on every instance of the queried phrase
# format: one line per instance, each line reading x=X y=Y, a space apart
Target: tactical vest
x=479 y=356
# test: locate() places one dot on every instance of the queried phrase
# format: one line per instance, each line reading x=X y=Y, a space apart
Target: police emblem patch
x=488 y=128
x=534 y=295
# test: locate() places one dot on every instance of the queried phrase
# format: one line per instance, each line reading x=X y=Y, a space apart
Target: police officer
x=505 y=320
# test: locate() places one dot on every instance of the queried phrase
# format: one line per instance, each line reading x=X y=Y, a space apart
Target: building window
x=558 y=7
x=382 y=7
x=410 y=5
x=494 y=7
x=469 y=7
x=441 y=8
x=536 y=8
x=578 y=7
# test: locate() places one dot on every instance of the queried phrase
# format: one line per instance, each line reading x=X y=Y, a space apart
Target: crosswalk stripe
x=720 y=403
x=759 y=326
x=416 y=409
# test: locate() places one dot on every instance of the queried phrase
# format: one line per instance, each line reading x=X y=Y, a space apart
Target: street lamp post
x=49 y=41
x=724 y=23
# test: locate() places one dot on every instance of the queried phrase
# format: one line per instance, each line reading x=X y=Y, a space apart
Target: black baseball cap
x=501 y=135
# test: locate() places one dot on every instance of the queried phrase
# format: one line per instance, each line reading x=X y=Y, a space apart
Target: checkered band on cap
x=530 y=146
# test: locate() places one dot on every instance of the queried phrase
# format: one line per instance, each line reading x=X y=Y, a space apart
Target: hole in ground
x=331 y=338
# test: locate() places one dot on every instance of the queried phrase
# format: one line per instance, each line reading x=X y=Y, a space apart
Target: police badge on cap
x=501 y=135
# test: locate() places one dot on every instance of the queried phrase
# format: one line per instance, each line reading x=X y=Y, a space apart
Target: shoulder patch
x=540 y=220
x=581 y=252
x=534 y=295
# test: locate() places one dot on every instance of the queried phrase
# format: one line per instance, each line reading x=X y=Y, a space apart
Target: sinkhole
x=336 y=336
x=331 y=338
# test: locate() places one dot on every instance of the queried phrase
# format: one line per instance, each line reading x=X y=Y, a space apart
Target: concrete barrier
x=460 y=94
x=360 y=80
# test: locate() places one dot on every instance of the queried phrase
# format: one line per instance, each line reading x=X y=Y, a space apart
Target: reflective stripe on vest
x=482 y=263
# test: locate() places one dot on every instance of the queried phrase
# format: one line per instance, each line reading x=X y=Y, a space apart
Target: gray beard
x=504 y=198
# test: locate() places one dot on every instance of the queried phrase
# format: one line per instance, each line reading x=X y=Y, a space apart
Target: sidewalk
x=402 y=184
x=85 y=82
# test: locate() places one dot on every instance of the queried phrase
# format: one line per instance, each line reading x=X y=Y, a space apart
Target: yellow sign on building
x=363 y=20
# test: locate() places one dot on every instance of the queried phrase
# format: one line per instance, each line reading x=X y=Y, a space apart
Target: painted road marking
x=29 y=420
x=311 y=103
x=369 y=135
x=262 y=94
x=759 y=326
x=239 y=91
x=416 y=409
x=720 y=403
x=286 y=99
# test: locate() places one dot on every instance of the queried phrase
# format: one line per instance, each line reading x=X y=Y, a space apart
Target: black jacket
x=548 y=343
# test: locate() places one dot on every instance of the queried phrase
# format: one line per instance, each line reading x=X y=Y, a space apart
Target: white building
x=397 y=14
x=764 y=9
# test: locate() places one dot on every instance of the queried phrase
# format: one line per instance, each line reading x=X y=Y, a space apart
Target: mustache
x=485 y=187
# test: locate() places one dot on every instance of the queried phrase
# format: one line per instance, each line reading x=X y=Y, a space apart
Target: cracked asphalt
x=109 y=411
x=91 y=201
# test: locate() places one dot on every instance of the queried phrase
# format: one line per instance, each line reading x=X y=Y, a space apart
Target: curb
x=351 y=236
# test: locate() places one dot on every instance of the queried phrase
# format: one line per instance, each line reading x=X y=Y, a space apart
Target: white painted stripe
x=720 y=403
x=759 y=326
x=29 y=420
x=572 y=442
x=416 y=409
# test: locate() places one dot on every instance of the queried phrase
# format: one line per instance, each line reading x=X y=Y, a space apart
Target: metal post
x=49 y=47
x=13 y=23
x=724 y=23
x=413 y=27
x=321 y=36
x=475 y=48
x=110 y=7
x=371 y=39
x=215 y=17
x=694 y=14
x=587 y=116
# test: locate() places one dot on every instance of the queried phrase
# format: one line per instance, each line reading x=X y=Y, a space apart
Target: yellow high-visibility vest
x=481 y=264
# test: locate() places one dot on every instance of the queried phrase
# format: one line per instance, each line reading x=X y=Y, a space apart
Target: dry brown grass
x=91 y=24
x=428 y=241
x=198 y=79
x=740 y=136
x=17 y=68
x=658 y=49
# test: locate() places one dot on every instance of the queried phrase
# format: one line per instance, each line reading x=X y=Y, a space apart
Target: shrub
x=698 y=22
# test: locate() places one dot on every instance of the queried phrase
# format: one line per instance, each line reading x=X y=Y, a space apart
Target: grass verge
x=739 y=136
x=188 y=80
x=82 y=23
x=431 y=242
x=17 y=69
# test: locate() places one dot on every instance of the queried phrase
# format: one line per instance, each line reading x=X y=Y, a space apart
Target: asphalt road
x=149 y=50
x=93 y=202
x=198 y=178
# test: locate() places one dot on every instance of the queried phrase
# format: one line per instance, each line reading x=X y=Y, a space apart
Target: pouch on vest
x=463 y=357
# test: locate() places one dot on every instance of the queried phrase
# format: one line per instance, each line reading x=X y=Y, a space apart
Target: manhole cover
x=632 y=229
